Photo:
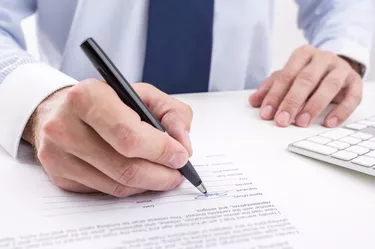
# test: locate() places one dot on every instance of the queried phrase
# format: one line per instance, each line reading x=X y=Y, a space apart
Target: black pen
x=121 y=86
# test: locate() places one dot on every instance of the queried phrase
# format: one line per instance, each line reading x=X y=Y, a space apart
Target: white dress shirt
x=241 y=45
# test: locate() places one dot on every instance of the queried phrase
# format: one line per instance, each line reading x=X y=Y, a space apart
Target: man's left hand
x=307 y=84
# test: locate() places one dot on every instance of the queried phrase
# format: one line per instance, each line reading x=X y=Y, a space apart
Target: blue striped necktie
x=179 y=45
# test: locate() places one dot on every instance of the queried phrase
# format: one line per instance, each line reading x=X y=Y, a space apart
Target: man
x=87 y=140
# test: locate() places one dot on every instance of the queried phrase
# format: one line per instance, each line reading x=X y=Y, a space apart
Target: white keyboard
x=352 y=146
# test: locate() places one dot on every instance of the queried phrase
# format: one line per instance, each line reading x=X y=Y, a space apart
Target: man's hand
x=308 y=83
x=87 y=140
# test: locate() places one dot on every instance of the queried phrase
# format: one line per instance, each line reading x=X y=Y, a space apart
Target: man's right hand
x=87 y=140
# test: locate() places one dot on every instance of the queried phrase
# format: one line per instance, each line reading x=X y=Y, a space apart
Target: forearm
x=344 y=27
x=24 y=81
x=11 y=55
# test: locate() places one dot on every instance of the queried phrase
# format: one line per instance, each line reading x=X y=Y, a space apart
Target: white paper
x=235 y=213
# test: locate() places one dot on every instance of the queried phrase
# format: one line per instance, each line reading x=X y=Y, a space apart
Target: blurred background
x=283 y=45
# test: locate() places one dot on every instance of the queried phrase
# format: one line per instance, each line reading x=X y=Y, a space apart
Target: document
x=234 y=214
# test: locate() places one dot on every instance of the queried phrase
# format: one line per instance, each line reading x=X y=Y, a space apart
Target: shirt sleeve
x=344 y=27
x=24 y=81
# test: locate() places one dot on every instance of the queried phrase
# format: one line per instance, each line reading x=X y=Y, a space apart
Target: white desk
x=332 y=206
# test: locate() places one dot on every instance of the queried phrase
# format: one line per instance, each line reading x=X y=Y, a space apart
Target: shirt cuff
x=20 y=94
x=350 y=49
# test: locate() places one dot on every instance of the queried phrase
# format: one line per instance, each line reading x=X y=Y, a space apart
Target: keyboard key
x=357 y=149
x=356 y=126
x=371 y=119
x=361 y=135
x=337 y=133
x=371 y=154
x=367 y=122
x=338 y=145
x=368 y=144
x=344 y=155
x=350 y=140
x=319 y=140
x=314 y=147
x=364 y=161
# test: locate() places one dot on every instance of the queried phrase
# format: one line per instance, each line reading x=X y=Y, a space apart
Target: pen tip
x=202 y=188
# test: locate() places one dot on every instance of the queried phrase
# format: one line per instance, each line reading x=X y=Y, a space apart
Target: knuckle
x=334 y=84
x=356 y=98
x=346 y=110
x=130 y=175
x=45 y=156
x=189 y=111
x=329 y=55
x=92 y=83
x=285 y=77
x=306 y=49
x=127 y=140
x=53 y=128
x=348 y=106
x=120 y=191
x=274 y=99
x=50 y=161
x=353 y=77
x=145 y=86
x=275 y=74
x=76 y=95
x=291 y=103
x=79 y=99
x=306 y=78
x=56 y=130
x=180 y=110
x=331 y=58
x=164 y=152
x=315 y=107
x=186 y=116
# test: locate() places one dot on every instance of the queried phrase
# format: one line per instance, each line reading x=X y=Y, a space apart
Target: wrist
x=30 y=132
x=358 y=67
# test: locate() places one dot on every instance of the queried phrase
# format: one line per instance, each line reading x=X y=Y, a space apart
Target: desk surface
x=333 y=206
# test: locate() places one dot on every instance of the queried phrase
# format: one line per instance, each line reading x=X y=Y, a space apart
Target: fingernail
x=178 y=160
x=304 y=119
x=333 y=122
x=266 y=112
x=283 y=118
